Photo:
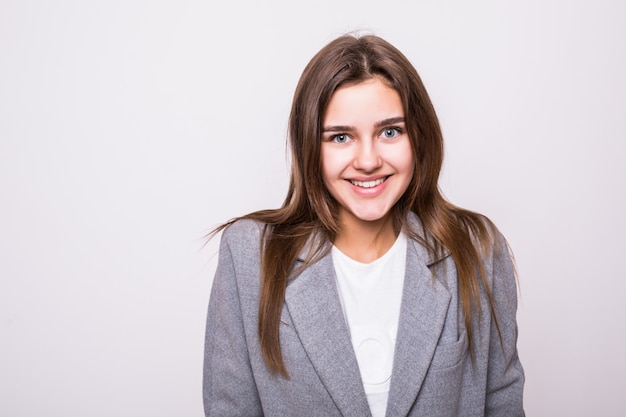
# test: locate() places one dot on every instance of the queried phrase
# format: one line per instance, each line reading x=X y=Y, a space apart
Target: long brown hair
x=309 y=212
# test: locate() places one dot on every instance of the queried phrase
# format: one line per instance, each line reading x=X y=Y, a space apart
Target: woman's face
x=367 y=160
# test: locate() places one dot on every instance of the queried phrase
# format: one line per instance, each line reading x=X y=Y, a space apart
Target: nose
x=367 y=157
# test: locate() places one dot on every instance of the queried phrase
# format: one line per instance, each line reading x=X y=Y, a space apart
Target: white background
x=128 y=129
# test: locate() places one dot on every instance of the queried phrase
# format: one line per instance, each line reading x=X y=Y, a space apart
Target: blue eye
x=341 y=138
x=390 y=132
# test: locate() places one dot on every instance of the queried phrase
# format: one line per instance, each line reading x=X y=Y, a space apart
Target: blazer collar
x=313 y=303
x=422 y=316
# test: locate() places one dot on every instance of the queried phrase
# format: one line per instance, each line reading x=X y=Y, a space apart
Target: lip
x=368 y=183
x=368 y=186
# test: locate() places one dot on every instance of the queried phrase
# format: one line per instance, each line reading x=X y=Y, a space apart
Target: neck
x=365 y=241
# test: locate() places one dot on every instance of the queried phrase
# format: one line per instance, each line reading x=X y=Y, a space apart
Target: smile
x=368 y=184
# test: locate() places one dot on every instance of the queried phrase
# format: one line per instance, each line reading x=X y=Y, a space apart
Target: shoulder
x=242 y=238
x=485 y=236
x=499 y=266
x=242 y=229
x=240 y=248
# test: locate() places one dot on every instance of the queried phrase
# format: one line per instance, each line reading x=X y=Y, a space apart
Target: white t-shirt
x=370 y=296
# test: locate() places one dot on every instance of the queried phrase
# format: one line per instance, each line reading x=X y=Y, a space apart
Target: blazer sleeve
x=505 y=375
x=229 y=388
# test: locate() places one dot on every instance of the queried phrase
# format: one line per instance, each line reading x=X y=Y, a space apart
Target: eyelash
x=397 y=130
x=334 y=138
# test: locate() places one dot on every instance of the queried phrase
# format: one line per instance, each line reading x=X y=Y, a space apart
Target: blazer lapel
x=424 y=306
x=313 y=304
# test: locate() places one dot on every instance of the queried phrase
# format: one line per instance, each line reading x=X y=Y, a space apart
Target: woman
x=366 y=293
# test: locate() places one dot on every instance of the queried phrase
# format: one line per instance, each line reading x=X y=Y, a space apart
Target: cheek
x=326 y=164
x=410 y=165
x=332 y=164
x=403 y=160
x=406 y=168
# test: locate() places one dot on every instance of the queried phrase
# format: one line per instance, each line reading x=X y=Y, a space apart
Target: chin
x=368 y=216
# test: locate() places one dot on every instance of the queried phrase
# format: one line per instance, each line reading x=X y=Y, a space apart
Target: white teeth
x=368 y=184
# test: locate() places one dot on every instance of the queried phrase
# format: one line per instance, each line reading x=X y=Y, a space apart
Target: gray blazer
x=433 y=374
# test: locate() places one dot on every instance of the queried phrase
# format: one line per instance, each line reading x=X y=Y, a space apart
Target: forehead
x=366 y=102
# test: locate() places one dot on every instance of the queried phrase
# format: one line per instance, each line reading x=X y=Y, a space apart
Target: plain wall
x=128 y=129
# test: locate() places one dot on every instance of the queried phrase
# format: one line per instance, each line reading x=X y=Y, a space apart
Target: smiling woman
x=366 y=293
x=367 y=164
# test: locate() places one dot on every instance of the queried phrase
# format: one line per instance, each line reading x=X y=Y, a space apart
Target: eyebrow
x=390 y=121
x=381 y=123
